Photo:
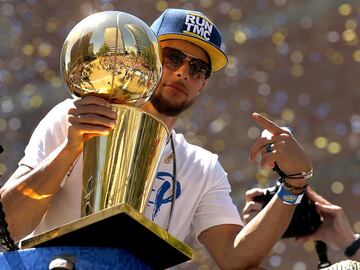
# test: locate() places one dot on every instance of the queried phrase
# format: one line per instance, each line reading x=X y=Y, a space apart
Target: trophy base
x=122 y=227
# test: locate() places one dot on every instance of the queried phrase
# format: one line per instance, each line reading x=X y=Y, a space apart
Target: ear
x=202 y=86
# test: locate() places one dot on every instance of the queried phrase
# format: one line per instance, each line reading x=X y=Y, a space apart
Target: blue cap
x=192 y=26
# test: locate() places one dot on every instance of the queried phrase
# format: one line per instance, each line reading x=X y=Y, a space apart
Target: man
x=47 y=180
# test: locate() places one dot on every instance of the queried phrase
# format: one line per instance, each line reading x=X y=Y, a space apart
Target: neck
x=169 y=121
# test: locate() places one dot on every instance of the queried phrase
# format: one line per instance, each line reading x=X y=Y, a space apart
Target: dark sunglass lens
x=173 y=57
x=198 y=69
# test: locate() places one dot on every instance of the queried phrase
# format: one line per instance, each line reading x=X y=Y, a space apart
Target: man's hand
x=285 y=150
x=91 y=116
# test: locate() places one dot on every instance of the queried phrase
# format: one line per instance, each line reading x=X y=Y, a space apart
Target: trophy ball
x=113 y=55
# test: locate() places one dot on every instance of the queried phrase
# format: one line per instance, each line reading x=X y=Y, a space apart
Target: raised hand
x=90 y=116
x=282 y=148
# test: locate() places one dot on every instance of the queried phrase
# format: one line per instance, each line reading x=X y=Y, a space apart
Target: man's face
x=178 y=89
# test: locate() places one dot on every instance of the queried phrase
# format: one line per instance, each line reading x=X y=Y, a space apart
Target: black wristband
x=352 y=249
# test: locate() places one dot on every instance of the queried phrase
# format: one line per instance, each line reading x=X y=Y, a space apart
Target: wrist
x=290 y=195
x=74 y=148
x=299 y=183
x=296 y=189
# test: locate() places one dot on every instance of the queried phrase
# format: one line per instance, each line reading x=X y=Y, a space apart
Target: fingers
x=330 y=209
x=252 y=193
x=92 y=100
x=286 y=152
x=91 y=110
x=316 y=197
x=92 y=105
x=90 y=116
x=271 y=135
x=267 y=124
x=252 y=208
x=100 y=119
x=322 y=204
x=261 y=143
x=82 y=129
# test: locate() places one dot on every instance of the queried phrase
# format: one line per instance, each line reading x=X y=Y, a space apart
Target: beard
x=164 y=107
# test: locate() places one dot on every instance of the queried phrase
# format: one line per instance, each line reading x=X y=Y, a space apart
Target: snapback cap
x=195 y=27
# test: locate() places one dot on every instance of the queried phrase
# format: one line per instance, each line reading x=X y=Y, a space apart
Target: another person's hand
x=335 y=228
x=90 y=116
x=252 y=208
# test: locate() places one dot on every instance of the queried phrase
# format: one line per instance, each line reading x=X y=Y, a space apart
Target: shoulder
x=59 y=112
x=191 y=149
x=54 y=124
x=192 y=153
x=62 y=107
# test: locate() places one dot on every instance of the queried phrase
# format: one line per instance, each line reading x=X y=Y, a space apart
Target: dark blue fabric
x=173 y=21
x=87 y=258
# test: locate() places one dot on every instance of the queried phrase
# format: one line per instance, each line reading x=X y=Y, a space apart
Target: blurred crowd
x=295 y=61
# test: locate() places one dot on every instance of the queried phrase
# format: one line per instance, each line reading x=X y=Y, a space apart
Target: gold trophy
x=116 y=56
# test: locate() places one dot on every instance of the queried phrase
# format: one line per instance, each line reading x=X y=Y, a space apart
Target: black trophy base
x=119 y=227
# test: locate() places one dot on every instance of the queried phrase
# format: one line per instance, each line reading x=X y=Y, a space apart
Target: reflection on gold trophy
x=116 y=56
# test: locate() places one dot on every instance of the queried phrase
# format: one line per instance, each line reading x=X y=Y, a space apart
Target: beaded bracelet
x=287 y=197
x=294 y=189
x=300 y=175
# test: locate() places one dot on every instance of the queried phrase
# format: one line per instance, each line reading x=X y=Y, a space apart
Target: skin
x=231 y=246
x=335 y=229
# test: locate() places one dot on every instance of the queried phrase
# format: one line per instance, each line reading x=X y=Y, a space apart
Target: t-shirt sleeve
x=48 y=135
x=216 y=206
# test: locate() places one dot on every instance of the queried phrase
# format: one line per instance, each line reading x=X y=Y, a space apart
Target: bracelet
x=287 y=197
x=294 y=189
x=300 y=175
x=353 y=248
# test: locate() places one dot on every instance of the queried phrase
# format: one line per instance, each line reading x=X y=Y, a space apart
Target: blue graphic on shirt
x=160 y=197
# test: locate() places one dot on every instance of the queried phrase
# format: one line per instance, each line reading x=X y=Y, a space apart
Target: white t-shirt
x=202 y=198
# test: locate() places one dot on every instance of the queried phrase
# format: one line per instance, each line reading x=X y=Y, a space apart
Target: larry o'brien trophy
x=116 y=56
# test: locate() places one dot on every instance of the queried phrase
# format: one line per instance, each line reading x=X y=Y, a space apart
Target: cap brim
x=218 y=58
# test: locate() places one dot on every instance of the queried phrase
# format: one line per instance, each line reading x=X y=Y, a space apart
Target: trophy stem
x=121 y=167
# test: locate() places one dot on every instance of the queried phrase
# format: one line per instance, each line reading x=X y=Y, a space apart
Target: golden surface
x=121 y=167
x=114 y=55
x=102 y=215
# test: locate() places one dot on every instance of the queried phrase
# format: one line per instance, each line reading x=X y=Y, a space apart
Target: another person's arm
x=28 y=193
x=335 y=229
x=234 y=247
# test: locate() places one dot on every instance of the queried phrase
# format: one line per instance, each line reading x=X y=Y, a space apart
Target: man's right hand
x=91 y=116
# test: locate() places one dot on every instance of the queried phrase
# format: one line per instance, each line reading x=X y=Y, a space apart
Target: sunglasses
x=198 y=69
